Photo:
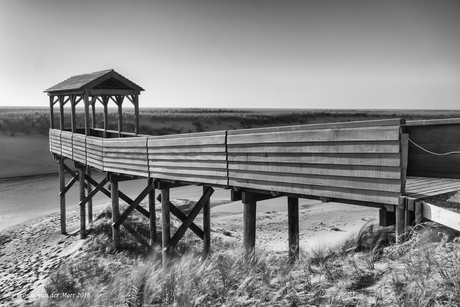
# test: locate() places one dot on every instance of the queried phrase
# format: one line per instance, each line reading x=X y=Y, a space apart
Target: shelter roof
x=103 y=80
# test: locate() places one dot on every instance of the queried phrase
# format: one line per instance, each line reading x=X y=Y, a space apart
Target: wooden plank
x=152 y=213
x=354 y=124
x=128 y=166
x=206 y=225
x=120 y=150
x=188 y=149
x=126 y=142
x=81 y=176
x=329 y=147
x=249 y=224
x=115 y=211
x=157 y=171
x=188 y=157
x=165 y=224
x=191 y=178
x=199 y=140
x=429 y=122
x=312 y=169
x=188 y=164
x=336 y=135
x=62 y=203
x=273 y=179
x=440 y=215
x=127 y=160
x=331 y=192
x=319 y=158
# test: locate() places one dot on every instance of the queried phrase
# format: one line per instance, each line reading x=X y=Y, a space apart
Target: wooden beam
x=115 y=211
x=120 y=113
x=82 y=208
x=86 y=102
x=401 y=227
x=93 y=114
x=133 y=206
x=69 y=184
x=61 y=112
x=105 y=101
x=418 y=212
x=136 y=113
x=152 y=214
x=440 y=215
x=112 y=92
x=62 y=195
x=206 y=225
x=93 y=192
x=73 y=119
x=51 y=98
x=249 y=223
x=293 y=226
x=90 y=201
x=404 y=143
x=165 y=224
x=190 y=218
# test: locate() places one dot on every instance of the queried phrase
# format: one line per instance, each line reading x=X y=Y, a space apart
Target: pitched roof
x=108 y=78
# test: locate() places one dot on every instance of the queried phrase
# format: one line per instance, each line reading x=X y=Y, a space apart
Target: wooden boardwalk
x=389 y=164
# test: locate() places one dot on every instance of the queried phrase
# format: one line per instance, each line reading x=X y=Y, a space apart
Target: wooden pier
x=388 y=164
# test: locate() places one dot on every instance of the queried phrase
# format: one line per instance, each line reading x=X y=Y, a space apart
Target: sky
x=342 y=54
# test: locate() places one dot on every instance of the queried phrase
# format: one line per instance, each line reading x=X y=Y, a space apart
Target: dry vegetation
x=366 y=270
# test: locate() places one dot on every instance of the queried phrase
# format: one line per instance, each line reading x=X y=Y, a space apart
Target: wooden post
x=115 y=211
x=105 y=102
x=401 y=219
x=62 y=195
x=136 y=113
x=90 y=202
x=206 y=225
x=152 y=215
x=249 y=223
x=81 y=178
x=120 y=114
x=418 y=212
x=61 y=112
x=293 y=225
x=165 y=224
x=86 y=105
x=93 y=113
x=73 y=119
x=51 y=111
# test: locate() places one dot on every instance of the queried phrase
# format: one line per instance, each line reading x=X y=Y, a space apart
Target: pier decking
x=384 y=163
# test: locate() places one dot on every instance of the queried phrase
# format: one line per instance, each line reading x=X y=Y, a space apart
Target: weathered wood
x=440 y=215
x=187 y=140
x=404 y=160
x=152 y=213
x=133 y=205
x=73 y=119
x=293 y=227
x=249 y=224
x=82 y=197
x=208 y=191
x=62 y=195
x=91 y=194
x=165 y=225
x=115 y=211
x=69 y=184
x=86 y=106
x=324 y=135
x=401 y=226
x=182 y=217
x=90 y=201
x=119 y=103
x=206 y=225
x=418 y=212
x=61 y=112
x=51 y=100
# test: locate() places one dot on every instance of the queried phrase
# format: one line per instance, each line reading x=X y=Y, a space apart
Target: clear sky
x=239 y=53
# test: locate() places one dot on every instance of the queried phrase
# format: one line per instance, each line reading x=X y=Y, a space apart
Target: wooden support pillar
x=249 y=223
x=61 y=113
x=93 y=113
x=165 y=224
x=418 y=212
x=115 y=211
x=86 y=102
x=120 y=113
x=90 y=202
x=73 y=119
x=401 y=220
x=136 y=113
x=105 y=101
x=293 y=225
x=51 y=111
x=62 y=186
x=152 y=214
x=82 y=197
x=206 y=225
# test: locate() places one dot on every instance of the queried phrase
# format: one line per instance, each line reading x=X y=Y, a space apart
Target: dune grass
x=369 y=269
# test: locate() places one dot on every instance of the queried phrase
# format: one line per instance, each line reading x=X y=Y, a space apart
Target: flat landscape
x=346 y=259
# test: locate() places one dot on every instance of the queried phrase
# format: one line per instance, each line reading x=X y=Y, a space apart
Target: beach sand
x=31 y=251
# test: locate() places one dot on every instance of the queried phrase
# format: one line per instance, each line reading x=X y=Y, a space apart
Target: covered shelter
x=101 y=86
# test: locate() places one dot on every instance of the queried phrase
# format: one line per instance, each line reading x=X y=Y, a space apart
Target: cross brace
x=190 y=218
x=133 y=205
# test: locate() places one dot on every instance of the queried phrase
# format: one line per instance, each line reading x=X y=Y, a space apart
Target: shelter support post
x=62 y=186
x=206 y=225
x=90 y=201
x=401 y=220
x=418 y=212
x=293 y=226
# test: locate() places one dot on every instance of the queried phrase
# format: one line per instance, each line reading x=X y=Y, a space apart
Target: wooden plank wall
x=344 y=162
x=79 y=148
x=66 y=144
x=55 y=141
x=194 y=157
x=439 y=136
x=126 y=156
x=95 y=152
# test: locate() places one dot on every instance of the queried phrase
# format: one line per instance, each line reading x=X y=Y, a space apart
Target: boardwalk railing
x=358 y=161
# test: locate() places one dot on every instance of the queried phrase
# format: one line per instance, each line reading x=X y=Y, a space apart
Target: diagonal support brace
x=133 y=205
x=182 y=217
x=69 y=184
x=93 y=192
x=191 y=217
